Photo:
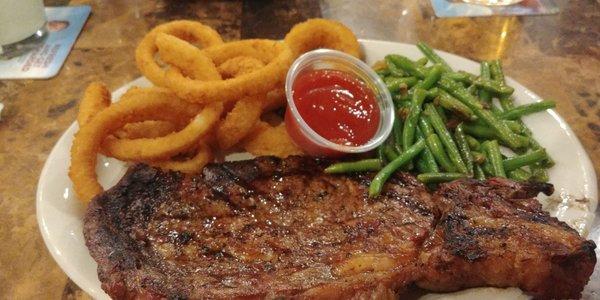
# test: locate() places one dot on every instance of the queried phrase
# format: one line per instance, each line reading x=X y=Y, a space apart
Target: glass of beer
x=493 y=2
x=22 y=26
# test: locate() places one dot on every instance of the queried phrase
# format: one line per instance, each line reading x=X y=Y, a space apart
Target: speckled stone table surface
x=556 y=56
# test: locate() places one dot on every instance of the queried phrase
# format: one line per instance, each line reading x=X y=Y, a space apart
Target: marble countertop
x=556 y=56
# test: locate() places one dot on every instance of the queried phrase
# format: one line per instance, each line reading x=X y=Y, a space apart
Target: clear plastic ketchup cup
x=325 y=60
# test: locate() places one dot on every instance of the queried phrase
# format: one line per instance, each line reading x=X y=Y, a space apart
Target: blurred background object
x=493 y=2
x=22 y=26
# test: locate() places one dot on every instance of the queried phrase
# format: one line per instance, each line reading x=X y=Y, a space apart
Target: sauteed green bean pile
x=452 y=124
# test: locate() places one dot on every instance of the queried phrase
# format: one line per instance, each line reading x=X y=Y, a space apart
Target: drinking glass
x=493 y=2
x=22 y=26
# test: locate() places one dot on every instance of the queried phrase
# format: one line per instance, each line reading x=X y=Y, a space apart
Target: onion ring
x=322 y=33
x=274 y=100
x=88 y=140
x=193 y=32
x=187 y=57
x=191 y=165
x=95 y=99
x=146 y=129
x=276 y=55
x=143 y=149
x=269 y=140
x=239 y=122
x=239 y=65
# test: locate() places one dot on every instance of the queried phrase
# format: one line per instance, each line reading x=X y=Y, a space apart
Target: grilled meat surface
x=494 y=233
x=267 y=228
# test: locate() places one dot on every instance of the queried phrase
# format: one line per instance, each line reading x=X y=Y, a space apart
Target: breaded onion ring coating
x=239 y=65
x=274 y=99
x=268 y=140
x=191 y=165
x=95 y=99
x=322 y=33
x=276 y=56
x=193 y=32
x=186 y=57
x=239 y=121
x=146 y=129
x=88 y=140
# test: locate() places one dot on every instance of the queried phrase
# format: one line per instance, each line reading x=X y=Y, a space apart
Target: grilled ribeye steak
x=270 y=228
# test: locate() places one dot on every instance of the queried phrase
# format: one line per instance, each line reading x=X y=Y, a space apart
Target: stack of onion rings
x=276 y=56
x=209 y=95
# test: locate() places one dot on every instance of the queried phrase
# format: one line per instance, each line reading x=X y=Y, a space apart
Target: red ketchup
x=337 y=105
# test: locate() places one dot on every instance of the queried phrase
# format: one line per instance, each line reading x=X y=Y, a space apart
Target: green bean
x=496 y=71
x=494 y=87
x=381 y=153
x=548 y=162
x=439 y=177
x=383 y=72
x=397 y=134
x=425 y=126
x=485 y=130
x=394 y=70
x=463 y=147
x=480 y=131
x=515 y=126
x=422 y=61
x=422 y=166
x=478 y=157
x=401 y=101
x=462 y=77
x=516 y=162
x=448 y=102
x=519 y=175
x=389 y=152
x=431 y=78
x=484 y=95
x=395 y=84
x=498 y=76
x=445 y=137
x=408 y=134
x=426 y=156
x=433 y=92
x=539 y=175
x=387 y=171
x=432 y=56
x=372 y=164
x=487 y=168
x=442 y=112
x=479 y=175
x=492 y=150
x=522 y=110
x=435 y=146
x=473 y=142
x=507 y=104
x=504 y=133
x=406 y=65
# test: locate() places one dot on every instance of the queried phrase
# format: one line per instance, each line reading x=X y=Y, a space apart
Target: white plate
x=60 y=214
